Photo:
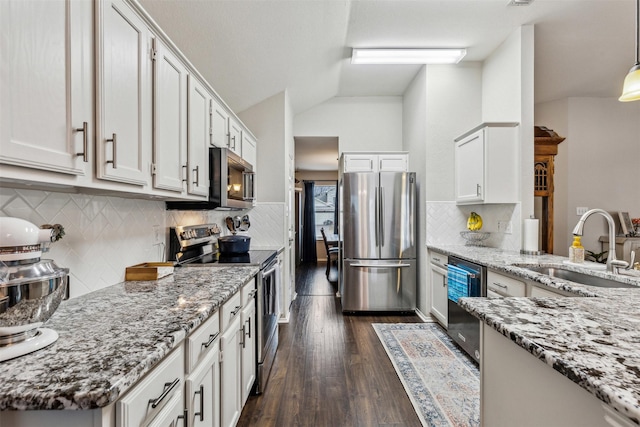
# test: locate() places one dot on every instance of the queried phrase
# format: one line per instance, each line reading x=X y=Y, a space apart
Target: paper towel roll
x=530 y=235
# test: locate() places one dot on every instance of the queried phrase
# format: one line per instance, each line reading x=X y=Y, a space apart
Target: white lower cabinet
x=518 y=389
x=230 y=404
x=249 y=356
x=145 y=401
x=202 y=391
x=438 y=281
x=172 y=415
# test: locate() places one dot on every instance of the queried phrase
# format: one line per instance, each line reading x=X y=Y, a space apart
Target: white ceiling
x=250 y=50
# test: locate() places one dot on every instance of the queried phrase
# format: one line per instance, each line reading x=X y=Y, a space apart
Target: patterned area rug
x=441 y=381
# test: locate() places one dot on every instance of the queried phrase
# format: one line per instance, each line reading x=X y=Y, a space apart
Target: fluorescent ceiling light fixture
x=407 y=56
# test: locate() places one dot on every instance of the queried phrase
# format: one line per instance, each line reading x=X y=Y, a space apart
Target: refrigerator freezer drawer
x=379 y=285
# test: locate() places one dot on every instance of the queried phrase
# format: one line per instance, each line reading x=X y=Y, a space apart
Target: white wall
x=267 y=122
x=414 y=131
x=453 y=107
x=507 y=96
x=360 y=123
x=597 y=164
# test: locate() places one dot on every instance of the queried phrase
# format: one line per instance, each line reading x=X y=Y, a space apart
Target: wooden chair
x=333 y=254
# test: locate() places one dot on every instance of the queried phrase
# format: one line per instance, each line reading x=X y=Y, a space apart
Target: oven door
x=267 y=309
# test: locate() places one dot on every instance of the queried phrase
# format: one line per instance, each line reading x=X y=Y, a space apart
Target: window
x=325 y=207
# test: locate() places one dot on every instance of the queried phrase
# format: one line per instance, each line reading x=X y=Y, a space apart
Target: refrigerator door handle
x=380 y=265
x=377 y=217
x=381 y=215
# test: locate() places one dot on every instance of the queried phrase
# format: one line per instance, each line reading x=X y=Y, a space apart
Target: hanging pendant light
x=631 y=88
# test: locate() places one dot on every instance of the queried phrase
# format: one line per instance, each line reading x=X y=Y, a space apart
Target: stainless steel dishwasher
x=464 y=279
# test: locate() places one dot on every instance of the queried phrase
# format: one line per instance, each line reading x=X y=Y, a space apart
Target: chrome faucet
x=613 y=264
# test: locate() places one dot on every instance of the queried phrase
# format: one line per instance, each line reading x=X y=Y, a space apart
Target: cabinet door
x=249 y=149
x=439 y=294
x=202 y=390
x=123 y=128
x=230 y=382
x=235 y=135
x=169 y=119
x=46 y=84
x=172 y=415
x=469 y=168
x=219 y=126
x=200 y=103
x=393 y=163
x=249 y=356
x=360 y=163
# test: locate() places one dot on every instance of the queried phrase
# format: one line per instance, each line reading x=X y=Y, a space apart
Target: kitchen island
x=109 y=339
x=588 y=343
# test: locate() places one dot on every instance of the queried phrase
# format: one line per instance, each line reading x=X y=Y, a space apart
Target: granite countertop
x=593 y=339
x=111 y=337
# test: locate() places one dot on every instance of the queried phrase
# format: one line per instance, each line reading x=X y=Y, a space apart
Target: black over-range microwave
x=231 y=183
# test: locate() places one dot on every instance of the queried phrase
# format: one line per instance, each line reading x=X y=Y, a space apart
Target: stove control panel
x=190 y=235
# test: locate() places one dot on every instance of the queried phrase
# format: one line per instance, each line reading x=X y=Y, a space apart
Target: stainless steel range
x=196 y=245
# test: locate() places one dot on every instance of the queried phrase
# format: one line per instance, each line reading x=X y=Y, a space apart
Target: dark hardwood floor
x=330 y=369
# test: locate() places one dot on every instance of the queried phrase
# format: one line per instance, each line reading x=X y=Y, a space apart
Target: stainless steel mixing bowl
x=29 y=295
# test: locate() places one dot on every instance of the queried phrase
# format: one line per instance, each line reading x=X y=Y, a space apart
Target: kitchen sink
x=574 y=276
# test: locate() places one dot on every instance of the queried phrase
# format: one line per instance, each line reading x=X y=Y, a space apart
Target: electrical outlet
x=505 y=227
x=581 y=210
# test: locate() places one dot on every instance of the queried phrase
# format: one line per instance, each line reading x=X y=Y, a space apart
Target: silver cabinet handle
x=197 y=171
x=237 y=309
x=233 y=138
x=253 y=293
x=85 y=141
x=114 y=149
x=184 y=417
x=242 y=338
x=500 y=286
x=201 y=413
x=167 y=389
x=478 y=189
x=212 y=338
x=229 y=140
x=185 y=173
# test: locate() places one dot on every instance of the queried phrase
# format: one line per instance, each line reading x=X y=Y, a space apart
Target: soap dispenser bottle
x=576 y=251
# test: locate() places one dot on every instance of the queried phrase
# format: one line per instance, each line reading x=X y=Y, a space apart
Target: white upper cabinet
x=486 y=164
x=235 y=137
x=46 y=118
x=200 y=113
x=375 y=162
x=219 y=126
x=249 y=152
x=123 y=131
x=170 y=119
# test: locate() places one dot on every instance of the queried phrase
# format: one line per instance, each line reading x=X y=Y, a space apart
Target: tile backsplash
x=104 y=235
x=445 y=221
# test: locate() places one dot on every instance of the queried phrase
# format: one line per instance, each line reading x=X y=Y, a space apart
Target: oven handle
x=270 y=271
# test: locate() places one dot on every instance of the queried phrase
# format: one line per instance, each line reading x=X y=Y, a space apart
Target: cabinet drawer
x=248 y=292
x=158 y=387
x=437 y=258
x=230 y=310
x=538 y=291
x=505 y=285
x=201 y=341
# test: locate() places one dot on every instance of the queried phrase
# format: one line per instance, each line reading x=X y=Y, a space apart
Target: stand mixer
x=30 y=288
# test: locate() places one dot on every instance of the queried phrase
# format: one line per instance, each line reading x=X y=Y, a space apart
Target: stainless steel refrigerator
x=378 y=232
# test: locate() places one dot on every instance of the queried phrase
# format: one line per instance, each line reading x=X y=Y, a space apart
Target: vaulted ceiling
x=250 y=50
